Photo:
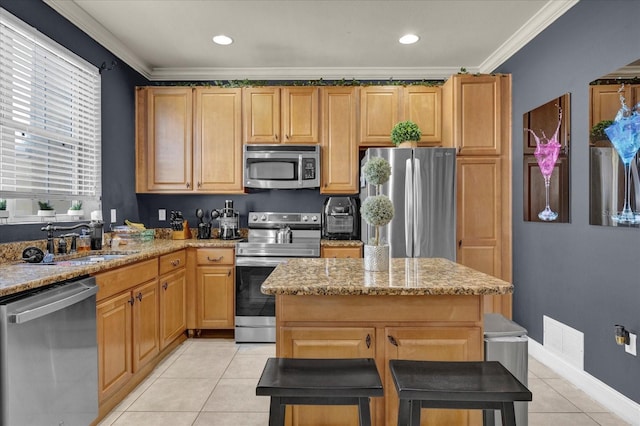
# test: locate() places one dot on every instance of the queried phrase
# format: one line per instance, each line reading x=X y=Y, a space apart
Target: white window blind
x=50 y=141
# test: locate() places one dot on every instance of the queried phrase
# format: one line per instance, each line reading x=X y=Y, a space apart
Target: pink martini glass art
x=546 y=153
x=624 y=134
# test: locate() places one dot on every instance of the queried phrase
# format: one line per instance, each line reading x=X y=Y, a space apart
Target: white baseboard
x=610 y=398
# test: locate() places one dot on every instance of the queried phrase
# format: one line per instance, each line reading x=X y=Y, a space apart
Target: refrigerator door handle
x=408 y=208
x=417 y=226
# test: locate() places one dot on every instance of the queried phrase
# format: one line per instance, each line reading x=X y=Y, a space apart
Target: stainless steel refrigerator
x=422 y=188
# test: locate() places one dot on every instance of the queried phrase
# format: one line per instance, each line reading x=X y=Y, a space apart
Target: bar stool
x=299 y=381
x=462 y=385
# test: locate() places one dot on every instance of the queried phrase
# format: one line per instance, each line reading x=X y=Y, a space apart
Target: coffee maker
x=340 y=219
x=228 y=221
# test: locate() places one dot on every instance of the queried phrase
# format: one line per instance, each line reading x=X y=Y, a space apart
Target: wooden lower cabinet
x=173 y=313
x=326 y=342
x=383 y=328
x=215 y=297
x=145 y=321
x=348 y=252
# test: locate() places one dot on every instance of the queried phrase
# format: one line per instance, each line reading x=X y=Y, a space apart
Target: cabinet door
x=164 y=156
x=218 y=140
x=379 y=112
x=472 y=114
x=261 y=114
x=215 y=296
x=344 y=252
x=432 y=344
x=340 y=161
x=146 y=316
x=605 y=101
x=173 y=314
x=326 y=342
x=423 y=106
x=300 y=115
x=479 y=214
x=114 y=344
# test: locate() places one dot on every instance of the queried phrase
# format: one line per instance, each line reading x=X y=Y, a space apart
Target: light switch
x=113 y=216
x=162 y=215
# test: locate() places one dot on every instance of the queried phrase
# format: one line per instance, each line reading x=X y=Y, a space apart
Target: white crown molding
x=616 y=402
x=624 y=72
x=195 y=74
x=534 y=26
x=81 y=19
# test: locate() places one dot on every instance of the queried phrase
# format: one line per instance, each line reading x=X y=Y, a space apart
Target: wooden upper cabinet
x=164 y=122
x=218 y=140
x=472 y=114
x=605 y=101
x=281 y=115
x=423 y=106
x=379 y=112
x=340 y=161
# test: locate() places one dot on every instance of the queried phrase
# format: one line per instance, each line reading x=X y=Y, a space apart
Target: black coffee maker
x=341 y=219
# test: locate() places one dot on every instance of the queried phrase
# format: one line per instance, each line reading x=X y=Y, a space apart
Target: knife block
x=183 y=234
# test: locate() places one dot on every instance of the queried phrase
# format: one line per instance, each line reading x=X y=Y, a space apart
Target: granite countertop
x=417 y=276
x=20 y=276
x=341 y=243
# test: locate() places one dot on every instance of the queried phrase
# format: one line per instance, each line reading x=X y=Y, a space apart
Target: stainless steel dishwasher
x=49 y=356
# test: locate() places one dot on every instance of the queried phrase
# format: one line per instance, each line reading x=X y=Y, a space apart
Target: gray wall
x=587 y=277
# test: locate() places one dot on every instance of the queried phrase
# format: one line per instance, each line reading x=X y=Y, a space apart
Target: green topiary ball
x=377 y=210
x=376 y=171
x=405 y=131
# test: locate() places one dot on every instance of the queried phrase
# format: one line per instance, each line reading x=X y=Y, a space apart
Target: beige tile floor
x=211 y=382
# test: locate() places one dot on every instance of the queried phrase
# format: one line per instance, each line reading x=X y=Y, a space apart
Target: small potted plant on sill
x=406 y=134
x=45 y=209
x=76 y=209
x=4 y=213
x=377 y=211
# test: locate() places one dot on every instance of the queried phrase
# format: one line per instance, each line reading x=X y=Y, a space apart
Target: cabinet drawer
x=172 y=261
x=347 y=252
x=215 y=256
x=121 y=279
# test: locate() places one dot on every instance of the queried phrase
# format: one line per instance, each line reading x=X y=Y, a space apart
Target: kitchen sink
x=89 y=259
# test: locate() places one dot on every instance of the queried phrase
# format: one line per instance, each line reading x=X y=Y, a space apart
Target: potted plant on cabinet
x=377 y=211
x=76 y=209
x=597 y=135
x=45 y=209
x=406 y=134
x=4 y=213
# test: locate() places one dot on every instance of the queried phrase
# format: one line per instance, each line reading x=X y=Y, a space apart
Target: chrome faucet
x=95 y=228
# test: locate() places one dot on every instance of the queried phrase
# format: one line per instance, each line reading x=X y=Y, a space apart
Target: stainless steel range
x=273 y=238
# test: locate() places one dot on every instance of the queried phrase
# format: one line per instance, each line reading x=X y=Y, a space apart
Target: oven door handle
x=260 y=261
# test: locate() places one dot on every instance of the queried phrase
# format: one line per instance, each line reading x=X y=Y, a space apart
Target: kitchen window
x=50 y=143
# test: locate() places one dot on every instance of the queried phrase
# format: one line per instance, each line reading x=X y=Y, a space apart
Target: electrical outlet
x=113 y=216
x=631 y=347
x=162 y=215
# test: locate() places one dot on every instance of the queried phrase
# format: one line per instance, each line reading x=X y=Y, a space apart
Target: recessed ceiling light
x=409 y=39
x=222 y=39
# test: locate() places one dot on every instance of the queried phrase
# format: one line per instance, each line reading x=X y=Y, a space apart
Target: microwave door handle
x=300 y=171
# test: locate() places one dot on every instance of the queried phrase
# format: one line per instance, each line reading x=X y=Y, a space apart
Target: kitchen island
x=421 y=309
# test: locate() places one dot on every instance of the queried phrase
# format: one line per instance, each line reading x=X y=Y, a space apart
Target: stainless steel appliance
x=229 y=221
x=272 y=239
x=422 y=188
x=49 y=355
x=281 y=166
x=340 y=218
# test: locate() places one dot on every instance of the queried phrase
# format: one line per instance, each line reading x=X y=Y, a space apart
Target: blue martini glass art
x=624 y=134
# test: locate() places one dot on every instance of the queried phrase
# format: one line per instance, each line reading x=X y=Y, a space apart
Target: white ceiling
x=311 y=39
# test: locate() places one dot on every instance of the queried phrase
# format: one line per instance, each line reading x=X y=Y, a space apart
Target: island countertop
x=411 y=276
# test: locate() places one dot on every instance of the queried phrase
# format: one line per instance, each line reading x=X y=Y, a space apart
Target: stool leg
x=416 y=405
x=404 y=412
x=508 y=414
x=363 y=411
x=276 y=412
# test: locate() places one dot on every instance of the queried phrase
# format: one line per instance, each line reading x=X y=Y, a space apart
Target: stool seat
x=304 y=381
x=464 y=385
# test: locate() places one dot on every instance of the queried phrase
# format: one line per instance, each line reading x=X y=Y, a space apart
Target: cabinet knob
x=229 y=273
x=188 y=185
x=392 y=340
x=199 y=184
x=459 y=243
x=139 y=297
x=165 y=286
x=276 y=136
x=175 y=262
x=132 y=301
x=368 y=340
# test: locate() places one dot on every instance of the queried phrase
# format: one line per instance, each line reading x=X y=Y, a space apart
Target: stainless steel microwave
x=281 y=166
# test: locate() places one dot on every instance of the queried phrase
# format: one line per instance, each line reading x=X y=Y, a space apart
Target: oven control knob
x=263 y=217
x=254 y=218
x=305 y=218
x=314 y=218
